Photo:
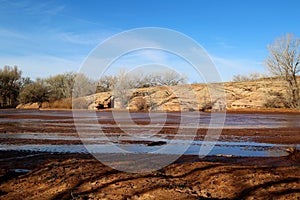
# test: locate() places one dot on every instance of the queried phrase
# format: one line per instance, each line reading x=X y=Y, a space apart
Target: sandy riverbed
x=80 y=176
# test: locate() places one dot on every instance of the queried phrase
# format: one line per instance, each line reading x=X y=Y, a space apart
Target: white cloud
x=5 y=33
x=88 y=38
x=223 y=43
x=228 y=67
x=33 y=7
x=42 y=65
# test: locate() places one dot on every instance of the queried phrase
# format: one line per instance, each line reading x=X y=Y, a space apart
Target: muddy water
x=220 y=149
x=232 y=120
x=57 y=119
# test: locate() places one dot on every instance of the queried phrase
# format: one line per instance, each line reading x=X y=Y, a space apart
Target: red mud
x=80 y=176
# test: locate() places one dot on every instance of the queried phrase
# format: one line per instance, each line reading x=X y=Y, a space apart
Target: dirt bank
x=79 y=176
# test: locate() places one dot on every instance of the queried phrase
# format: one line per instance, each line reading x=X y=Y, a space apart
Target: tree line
x=16 y=89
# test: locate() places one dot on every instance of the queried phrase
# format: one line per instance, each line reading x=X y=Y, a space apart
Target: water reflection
x=230 y=149
x=237 y=146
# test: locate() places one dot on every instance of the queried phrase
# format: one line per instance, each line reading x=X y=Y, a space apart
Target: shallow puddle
x=175 y=147
x=101 y=144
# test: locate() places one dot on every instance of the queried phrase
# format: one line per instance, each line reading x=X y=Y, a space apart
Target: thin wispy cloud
x=5 y=33
x=224 y=43
x=33 y=7
x=43 y=65
x=238 y=64
x=87 y=38
x=148 y=56
x=226 y=66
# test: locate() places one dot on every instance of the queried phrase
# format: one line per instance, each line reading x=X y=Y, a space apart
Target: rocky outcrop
x=102 y=101
x=254 y=94
x=29 y=106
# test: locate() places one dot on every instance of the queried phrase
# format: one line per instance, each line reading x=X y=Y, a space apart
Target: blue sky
x=49 y=37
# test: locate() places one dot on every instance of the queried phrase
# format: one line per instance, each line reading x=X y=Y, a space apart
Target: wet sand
x=80 y=176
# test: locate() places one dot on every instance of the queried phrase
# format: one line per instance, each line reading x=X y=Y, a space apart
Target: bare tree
x=283 y=61
x=121 y=88
x=83 y=86
x=106 y=83
x=169 y=78
x=251 y=77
